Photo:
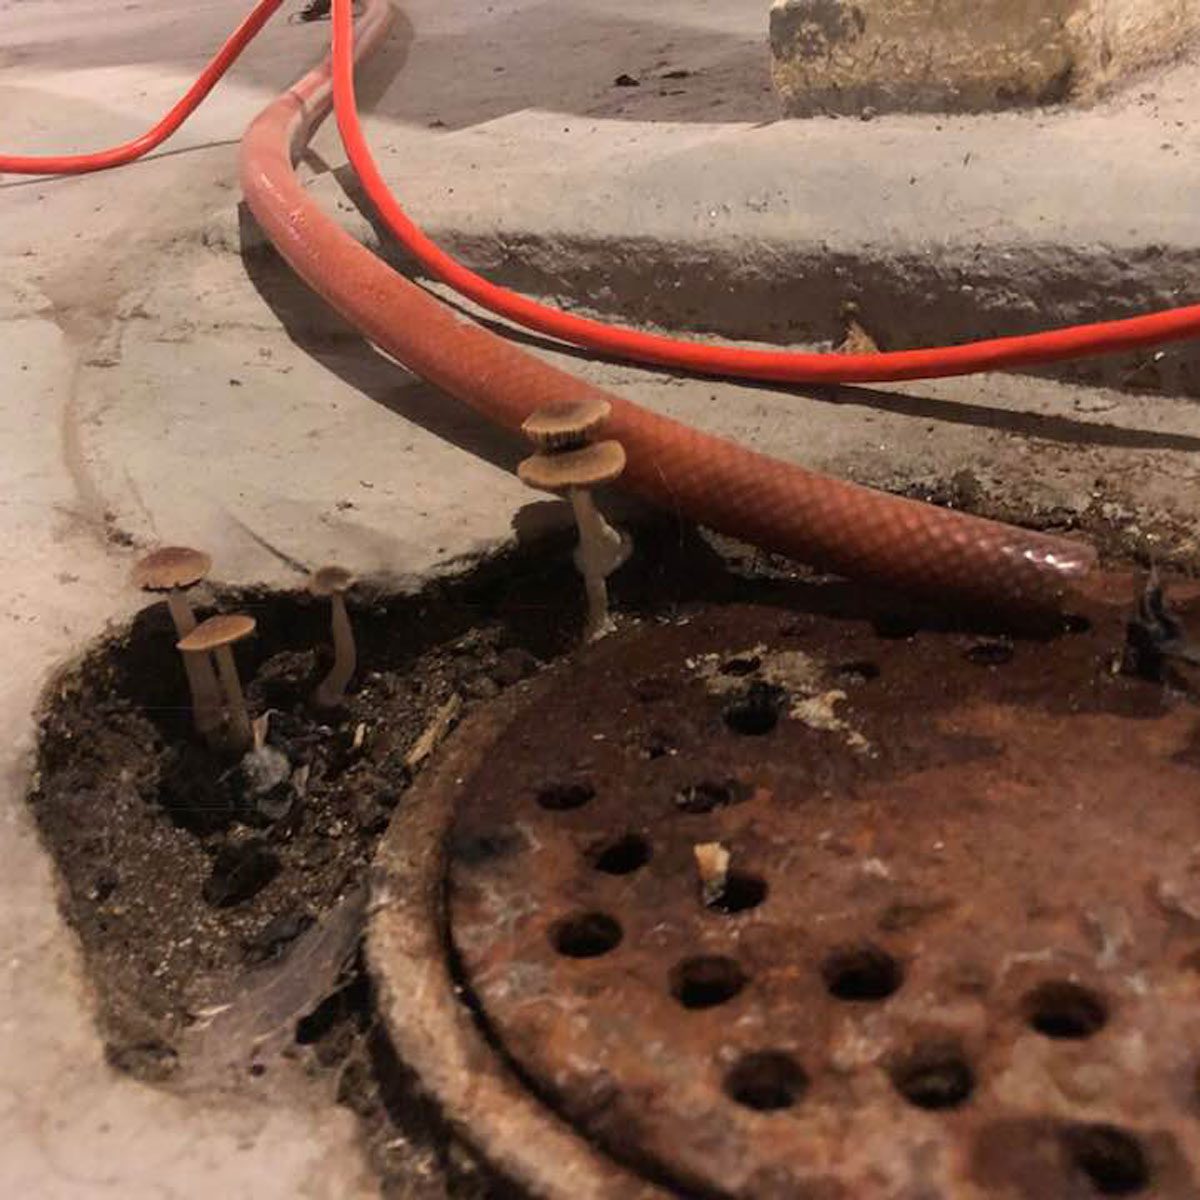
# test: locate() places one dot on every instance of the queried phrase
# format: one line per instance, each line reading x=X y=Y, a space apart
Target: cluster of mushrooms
x=568 y=461
x=219 y=710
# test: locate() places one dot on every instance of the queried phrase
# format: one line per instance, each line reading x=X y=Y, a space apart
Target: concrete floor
x=160 y=385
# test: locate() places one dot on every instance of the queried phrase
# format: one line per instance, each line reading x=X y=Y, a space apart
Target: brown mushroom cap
x=330 y=580
x=565 y=424
x=171 y=567
x=221 y=630
x=589 y=466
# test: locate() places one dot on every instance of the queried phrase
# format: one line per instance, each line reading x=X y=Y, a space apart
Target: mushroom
x=172 y=569
x=567 y=425
x=216 y=636
x=601 y=548
x=334 y=582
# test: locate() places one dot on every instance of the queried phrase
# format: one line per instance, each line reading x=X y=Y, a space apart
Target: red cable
x=1108 y=337
x=116 y=156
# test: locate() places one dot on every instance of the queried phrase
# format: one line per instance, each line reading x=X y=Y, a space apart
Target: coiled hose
x=857 y=531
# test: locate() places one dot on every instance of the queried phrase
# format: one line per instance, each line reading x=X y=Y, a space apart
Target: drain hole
x=862 y=973
x=707 y=795
x=935 y=1077
x=586 y=935
x=766 y=1081
x=624 y=856
x=893 y=627
x=1065 y=1010
x=741 y=892
x=706 y=981
x=756 y=712
x=559 y=797
x=658 y=744
x=1112 y=1160
x=859 y=672
x=744 y=665
x=990 y=654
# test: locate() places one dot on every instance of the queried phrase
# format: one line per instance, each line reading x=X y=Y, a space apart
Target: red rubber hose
x=116 y=156
x=855 y=530
x=1080 y=341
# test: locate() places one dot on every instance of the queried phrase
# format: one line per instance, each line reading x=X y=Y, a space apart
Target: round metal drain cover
x=768 y=905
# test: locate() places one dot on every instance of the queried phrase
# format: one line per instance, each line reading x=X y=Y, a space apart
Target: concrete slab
x=965 y=55
x=160 y=384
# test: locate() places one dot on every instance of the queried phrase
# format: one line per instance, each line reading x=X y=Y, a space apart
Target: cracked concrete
x=161 y=384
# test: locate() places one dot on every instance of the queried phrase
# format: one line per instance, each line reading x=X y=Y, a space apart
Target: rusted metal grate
x=954 y=952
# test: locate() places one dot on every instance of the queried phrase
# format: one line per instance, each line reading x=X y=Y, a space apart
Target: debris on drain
x=712 y=862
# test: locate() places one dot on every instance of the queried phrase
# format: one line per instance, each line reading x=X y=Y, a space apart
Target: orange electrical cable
x=1109 y=337
x=116 y=156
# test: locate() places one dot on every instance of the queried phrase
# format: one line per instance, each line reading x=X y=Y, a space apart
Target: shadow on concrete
x=325 y=336
x=1047 y=427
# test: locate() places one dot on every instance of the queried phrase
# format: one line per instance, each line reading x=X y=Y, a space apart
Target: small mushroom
x=173 y=569
x=334 y=582
x=601 y=548
x=216 y=636
x=568 y=425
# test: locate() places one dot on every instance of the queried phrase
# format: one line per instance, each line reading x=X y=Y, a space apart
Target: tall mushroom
x=334 y=582
x=215 y=636
x=601 y=548
x=171 y=570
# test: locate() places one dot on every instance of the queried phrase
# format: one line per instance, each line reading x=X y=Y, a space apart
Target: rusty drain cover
x=955 y=951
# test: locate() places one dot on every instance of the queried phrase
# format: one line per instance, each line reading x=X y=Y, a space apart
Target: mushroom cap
x=567 y=423
x=171 y=567
x=589 y=466
x=221 y=630
x=328 y=581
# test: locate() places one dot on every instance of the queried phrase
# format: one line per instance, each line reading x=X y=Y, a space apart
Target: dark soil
x=186 y=872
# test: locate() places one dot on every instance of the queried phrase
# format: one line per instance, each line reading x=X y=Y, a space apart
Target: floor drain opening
x=658 y=744
x=756 y=712
x=743 y=665
x=1065 y=1011
x=862 y=973
x=936 y=1078
x=1112 y=1160
x=706 y=981
x=562 y=797
x=742 y=891
x=766 y=1081
x=585 y=935
x=893 y=627
x=991 y=654
x=709 y=795
x=624 y=856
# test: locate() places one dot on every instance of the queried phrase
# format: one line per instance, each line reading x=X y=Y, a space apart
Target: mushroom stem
x=241 y=735
x=202 y=680
x=601 y=550
x=331 y=691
